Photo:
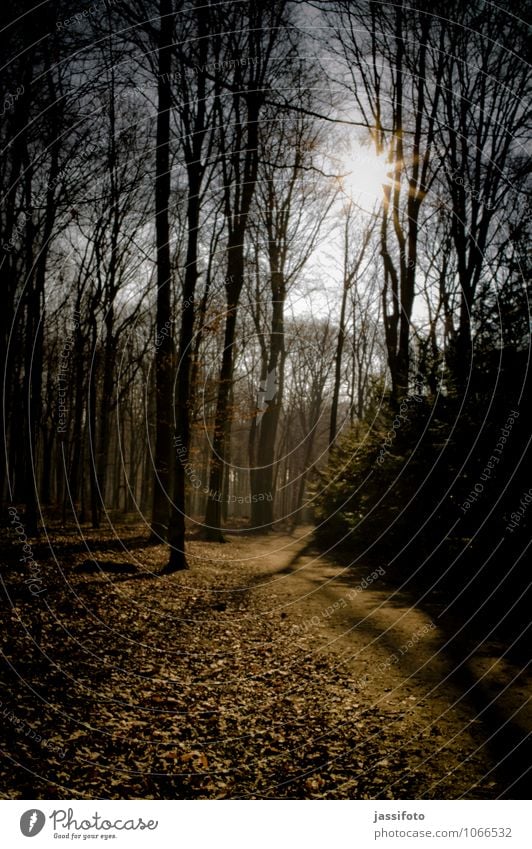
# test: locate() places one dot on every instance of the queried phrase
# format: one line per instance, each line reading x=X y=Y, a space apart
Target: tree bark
x=262 y=495
x=164 y=349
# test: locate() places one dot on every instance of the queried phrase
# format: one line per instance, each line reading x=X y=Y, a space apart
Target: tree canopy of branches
x=200 y=321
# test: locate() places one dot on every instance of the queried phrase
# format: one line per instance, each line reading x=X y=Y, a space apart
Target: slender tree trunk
x=240 y=206
x=303 y=478
x=213 y=515
x=186 y=361
x=93 y=408
x=176 y=539
x=338 y=369
x=36 y=307
x=262 y=503
x=77 y=434
x=164 y=342
x=105 y=409
x=46 y=475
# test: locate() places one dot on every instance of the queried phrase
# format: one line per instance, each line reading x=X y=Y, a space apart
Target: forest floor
x=265 y=671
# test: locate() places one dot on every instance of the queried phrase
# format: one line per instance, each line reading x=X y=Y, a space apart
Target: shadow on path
x=472 y=672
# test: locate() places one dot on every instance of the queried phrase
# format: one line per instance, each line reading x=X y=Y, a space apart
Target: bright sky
x=363 y=174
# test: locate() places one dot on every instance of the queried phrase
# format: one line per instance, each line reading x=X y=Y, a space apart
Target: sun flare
x=363 y=177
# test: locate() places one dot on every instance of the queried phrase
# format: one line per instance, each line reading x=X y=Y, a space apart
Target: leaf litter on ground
x=123 y=684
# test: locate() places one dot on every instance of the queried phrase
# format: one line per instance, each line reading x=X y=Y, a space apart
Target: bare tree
x=394 y=60
x=481 y=143
x=352 y=270
x=254 y=33
x=196 y=115
x=293 y=201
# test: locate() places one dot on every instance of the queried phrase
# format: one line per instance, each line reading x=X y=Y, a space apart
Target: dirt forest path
x=401 y=664
x=265 y=671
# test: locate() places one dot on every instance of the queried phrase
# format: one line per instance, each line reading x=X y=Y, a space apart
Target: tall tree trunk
x=95 y=503
x=47 y=437
x=176 y=536
x=105 y=411
x=298 y=512
x=77 y=434
x=238 y=220
x=164 y=347
x=333 y=427
x=193 y=148
x=262 y=496
x=36 y=317
x=235 y=276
